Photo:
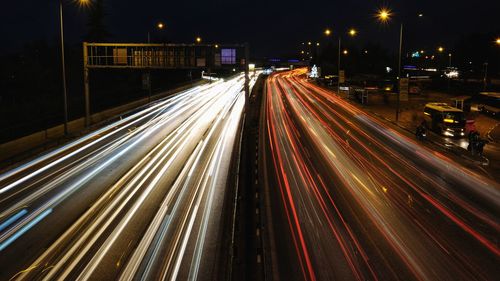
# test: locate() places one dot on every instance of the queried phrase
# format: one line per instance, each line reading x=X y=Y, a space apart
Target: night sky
x=271 y=27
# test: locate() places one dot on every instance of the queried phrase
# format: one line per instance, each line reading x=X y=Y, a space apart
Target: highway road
x=139 y=199
x=352 y=198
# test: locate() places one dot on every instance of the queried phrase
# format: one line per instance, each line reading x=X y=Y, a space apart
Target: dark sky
x=272 y=27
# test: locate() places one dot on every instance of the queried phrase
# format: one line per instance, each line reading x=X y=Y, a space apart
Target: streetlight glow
x=497 y=41
x=328 y=32
x=83 y=3
x=198 y=39
x=440 y=49
x=345 y=52
x=353 y=32
x=160 y=25
x=384 y=15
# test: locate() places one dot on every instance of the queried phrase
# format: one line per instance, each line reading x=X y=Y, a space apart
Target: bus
x=489 y=102
x=445 y=119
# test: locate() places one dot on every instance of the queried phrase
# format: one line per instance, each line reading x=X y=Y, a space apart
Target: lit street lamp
x=198 y=40
x=159 y=26
x=384 y=15
x=352 y=32
x=497 y=41
x=63 y=63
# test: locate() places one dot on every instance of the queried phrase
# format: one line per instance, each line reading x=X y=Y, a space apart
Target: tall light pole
x=338 y=66
x=352 y=32
x=63 y=67
x=384 y=15
x=159 y=26
x=63 y=62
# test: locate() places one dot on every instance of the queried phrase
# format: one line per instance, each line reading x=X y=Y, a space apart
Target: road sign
x=403 y=89
x=161 y=56
x=341 y=76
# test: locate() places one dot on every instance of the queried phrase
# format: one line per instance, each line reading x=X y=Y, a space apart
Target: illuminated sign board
x=228 y=56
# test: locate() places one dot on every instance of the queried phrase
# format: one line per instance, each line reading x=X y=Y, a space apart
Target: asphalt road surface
x=139 y=199
x=352 y=198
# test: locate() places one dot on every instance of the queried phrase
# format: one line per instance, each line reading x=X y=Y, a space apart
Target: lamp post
x=63 y=62
x=352 y=32
x=159 y=26
x=63 y=68
x=384 y=15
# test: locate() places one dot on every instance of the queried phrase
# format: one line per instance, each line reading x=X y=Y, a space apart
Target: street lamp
x=63 y=63
x=440 y=49
x=198 y=40
x=352 y=32
x=384 y=15
x=159 y=26
x=497 y=41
